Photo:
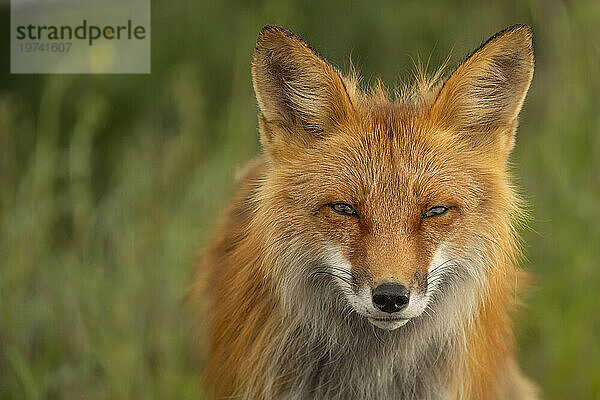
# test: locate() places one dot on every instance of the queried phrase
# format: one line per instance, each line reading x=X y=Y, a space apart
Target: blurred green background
x=109 y=184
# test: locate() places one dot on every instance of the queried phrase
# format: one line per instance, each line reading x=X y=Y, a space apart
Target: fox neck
x=337 y=356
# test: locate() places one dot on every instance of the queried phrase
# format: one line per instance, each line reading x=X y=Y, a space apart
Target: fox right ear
x=300 y=96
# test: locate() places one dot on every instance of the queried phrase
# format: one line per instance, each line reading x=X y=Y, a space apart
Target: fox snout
x=391 y=297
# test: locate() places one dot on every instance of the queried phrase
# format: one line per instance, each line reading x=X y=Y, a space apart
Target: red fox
x=370 y=252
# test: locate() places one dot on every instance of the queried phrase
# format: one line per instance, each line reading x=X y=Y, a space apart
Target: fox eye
x=435 y=211
x=344 y=209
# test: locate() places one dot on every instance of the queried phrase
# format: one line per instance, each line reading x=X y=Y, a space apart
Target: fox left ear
x=483 y=97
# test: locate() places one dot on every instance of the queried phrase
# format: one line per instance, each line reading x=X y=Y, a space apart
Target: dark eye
x=435 y=211
x=344 y=209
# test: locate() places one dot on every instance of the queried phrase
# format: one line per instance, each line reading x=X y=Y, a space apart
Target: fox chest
x=355 y=375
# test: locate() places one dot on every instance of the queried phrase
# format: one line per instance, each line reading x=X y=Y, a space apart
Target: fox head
x=402 y=205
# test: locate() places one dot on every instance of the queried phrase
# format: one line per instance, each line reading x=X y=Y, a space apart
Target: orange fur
x=285 y=275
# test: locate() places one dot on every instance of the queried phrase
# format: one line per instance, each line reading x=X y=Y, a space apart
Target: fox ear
x=300 y=96
x=482 y=98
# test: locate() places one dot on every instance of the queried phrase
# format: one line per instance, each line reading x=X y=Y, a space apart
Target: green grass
x=109 y=184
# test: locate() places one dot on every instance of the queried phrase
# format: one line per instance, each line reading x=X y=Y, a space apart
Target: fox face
x=387 y=208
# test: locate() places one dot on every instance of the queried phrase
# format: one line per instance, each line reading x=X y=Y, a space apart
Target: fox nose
x=390 y=297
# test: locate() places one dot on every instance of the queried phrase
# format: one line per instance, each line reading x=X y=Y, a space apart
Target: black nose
x=390 y=297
